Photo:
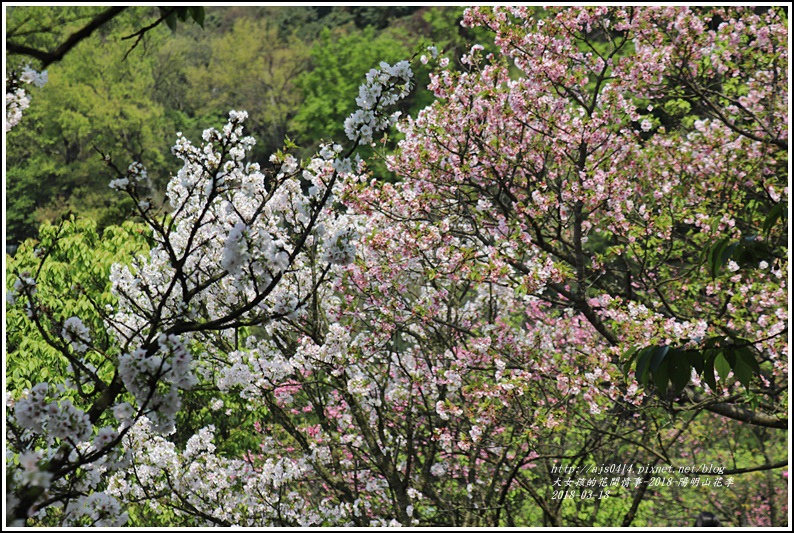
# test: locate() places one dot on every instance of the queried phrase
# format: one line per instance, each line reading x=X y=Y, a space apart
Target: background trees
x=55 y=162
x=137 y=92
x=576 y=263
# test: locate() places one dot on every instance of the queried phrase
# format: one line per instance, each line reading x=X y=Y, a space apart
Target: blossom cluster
x=61 y=421
x=24 y=285
x=340 y=248
x=76 y=334
x=384 y=87
x=168 y=365
x=17 y=100
x=135 y=173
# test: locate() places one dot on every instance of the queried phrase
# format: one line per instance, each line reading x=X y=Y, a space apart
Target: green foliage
x=249 y=68
x=71 y=263
x=778 y=213
x=45 y=27
x=310 y=20
x=173 y=13
x=340 y=60
x=452 y=39
x=378 y=17
x=747 y=252
x=669 y=366
x=295 y=69
x=92 y=102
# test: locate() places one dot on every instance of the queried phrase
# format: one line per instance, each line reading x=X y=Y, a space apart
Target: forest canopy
x=290 y=67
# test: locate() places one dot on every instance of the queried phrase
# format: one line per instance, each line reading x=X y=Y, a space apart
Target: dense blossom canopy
x=576 y=265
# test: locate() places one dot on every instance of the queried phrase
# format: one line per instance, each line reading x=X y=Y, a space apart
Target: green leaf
x=643 y=360
x=727 y=253
x=779 y=211
x=747 y=356
x=708 y=369
x=719 y=254
x=661 y=376
x=680 y=371
x=714 y=254
x=695 y=358
x=743 y=372
x=170 y=20
x=722 y=365
x=730 y=355
x=197 y=13
x=630 y=355
x=745 y=366
x=659 y=353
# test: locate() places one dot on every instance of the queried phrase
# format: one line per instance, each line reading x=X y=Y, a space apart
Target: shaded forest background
x=296 y=70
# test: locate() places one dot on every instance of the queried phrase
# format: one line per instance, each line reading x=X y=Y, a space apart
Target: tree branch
x=768 y=466
x=736 y=412
x=47 y=58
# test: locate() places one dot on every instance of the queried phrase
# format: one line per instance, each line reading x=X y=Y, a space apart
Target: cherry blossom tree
x=237 y=247
x=579 y=181
x=582 y=260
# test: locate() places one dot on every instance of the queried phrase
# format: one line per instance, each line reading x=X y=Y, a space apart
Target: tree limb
x=768 y=466
x=737 y=412
x=47 y=58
